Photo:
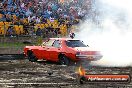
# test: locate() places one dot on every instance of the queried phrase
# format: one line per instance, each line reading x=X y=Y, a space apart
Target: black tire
x=82 y=80
x=32 y=57
x=63 y=60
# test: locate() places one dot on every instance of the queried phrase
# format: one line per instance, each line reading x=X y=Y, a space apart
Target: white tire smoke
x=110 y=32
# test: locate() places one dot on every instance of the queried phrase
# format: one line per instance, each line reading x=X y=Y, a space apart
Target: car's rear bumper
x=89 y=57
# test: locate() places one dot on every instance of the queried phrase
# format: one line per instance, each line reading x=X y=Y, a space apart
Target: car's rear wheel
x=63 y=60
x=31 y=57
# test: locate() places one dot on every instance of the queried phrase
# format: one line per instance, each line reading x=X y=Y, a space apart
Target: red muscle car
x=62 y=50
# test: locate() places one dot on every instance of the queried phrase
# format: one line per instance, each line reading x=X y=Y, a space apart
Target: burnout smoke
x=108 y=29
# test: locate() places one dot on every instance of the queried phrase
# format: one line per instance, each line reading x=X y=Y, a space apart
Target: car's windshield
x=75 y=43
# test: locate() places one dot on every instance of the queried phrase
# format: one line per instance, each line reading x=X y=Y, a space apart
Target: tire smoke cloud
x=108 y=28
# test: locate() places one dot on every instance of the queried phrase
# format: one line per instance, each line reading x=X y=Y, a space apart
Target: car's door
x=54 y=50
x=46 y=52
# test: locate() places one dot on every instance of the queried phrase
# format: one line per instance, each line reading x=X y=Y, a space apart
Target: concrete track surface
x=21 y=73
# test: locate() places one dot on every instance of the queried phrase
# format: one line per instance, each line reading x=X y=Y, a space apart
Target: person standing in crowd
x=37 y=20
x=39 y=32
x=72 y=35
x=10 y=32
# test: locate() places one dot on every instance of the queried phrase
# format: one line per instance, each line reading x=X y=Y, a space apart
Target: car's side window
x=56 y=44
x=48 y=43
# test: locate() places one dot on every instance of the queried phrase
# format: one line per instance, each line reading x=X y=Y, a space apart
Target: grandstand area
x=46 y=18
x=34 y=20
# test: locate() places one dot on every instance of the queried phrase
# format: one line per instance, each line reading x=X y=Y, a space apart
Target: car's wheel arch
x=61 y=54
x=30 y=51
x=31 y=56
x=71 y=62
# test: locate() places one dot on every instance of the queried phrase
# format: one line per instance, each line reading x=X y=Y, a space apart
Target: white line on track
x=36 y=83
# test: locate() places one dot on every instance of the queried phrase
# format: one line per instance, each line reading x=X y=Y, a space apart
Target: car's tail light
x=98 y=53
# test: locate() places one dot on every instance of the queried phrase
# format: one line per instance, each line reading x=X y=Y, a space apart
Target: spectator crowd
x=47 y=18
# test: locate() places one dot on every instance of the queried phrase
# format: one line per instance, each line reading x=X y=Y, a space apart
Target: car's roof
x=63 y=39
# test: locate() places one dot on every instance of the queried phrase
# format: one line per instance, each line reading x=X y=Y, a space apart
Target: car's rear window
x=75 y=43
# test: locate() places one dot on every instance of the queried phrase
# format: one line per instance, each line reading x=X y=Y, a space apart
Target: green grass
x=12 y=45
